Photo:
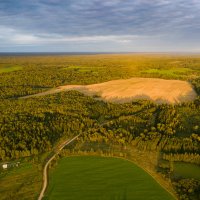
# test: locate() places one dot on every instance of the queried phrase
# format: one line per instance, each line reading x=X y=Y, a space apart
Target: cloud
x=46 y=22
x=98 y=17
x=18 y=37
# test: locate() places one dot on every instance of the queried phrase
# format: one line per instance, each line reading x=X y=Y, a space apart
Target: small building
x=5 y=166
x=10 y=165
x=17 y=164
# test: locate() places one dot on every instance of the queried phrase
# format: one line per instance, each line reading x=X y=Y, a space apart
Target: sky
x=100 y=26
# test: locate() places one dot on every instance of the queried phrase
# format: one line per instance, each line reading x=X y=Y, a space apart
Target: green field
x=186 y=170
x=171 y=73
x=20 y=183
x=9 y=68
x=88 y=177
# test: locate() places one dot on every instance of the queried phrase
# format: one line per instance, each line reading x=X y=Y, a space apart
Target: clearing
x=9 y=68
x=126 y=90
x=186 y=170
x=93 y=177
x=23 y=182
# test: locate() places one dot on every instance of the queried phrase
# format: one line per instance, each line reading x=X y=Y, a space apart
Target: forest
x=35 y=126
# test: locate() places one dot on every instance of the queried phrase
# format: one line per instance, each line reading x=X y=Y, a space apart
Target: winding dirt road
x=45 y=175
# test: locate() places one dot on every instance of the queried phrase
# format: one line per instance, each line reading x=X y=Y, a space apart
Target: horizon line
x=97 y=52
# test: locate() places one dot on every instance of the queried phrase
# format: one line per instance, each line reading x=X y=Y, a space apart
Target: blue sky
x=99 y=25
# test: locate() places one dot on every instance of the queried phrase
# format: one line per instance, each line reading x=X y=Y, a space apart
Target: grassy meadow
x=186 y=170
x=171 y=73
x=9 y=68
x=90 y=177
x=23 y=182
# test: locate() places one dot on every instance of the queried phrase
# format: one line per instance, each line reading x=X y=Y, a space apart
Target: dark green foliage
x=196 y=84
x=32 y=126
x=188 y=189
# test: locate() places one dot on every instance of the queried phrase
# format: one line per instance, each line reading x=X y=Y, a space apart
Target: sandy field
x=126 y=90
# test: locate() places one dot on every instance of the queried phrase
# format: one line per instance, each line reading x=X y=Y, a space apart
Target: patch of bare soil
x=121 y=91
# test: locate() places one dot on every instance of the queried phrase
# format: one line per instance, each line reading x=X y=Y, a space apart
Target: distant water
x=89 y=53
x=51 y=53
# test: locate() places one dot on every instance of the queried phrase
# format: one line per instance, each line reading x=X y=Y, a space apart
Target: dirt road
x=45 y=175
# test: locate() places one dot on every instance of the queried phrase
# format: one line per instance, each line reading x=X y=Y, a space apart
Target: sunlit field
x=91 y=178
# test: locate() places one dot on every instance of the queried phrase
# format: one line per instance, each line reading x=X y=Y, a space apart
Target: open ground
x=120 y=91
x=186 y=170
x=93 y=177
x=9 y=68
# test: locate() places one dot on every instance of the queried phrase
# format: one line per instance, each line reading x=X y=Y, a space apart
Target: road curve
x=45 y=176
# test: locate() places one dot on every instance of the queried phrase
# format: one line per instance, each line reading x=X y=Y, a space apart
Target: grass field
x=171 y=73
x=88 y=177
x=9 y=68
x=20 y=183
x=186 y=170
